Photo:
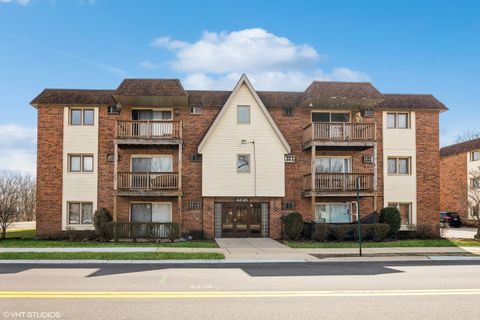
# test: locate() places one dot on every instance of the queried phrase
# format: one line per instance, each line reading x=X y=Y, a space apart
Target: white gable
x=223 y=143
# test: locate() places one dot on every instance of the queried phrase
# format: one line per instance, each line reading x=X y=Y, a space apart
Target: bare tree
x=9 y=199
x=27 y=189
x=468 y=135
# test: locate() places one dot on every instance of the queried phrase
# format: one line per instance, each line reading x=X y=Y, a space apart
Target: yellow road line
x=232 y=294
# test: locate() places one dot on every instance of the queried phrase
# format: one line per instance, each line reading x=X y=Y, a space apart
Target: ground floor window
x=151 y=212
x=80 y=213
x=405 y=209
x=333 y=213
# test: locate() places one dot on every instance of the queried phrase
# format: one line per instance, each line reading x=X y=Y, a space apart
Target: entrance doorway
x=241 y=220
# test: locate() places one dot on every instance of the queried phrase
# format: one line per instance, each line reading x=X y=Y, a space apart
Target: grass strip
x=386 y=244
x=110 y=255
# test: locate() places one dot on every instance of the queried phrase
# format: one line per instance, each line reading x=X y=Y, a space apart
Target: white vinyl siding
x=79 y=187
x=220 y=151
x=400 y=144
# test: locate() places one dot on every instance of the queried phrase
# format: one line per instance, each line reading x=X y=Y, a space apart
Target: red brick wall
x=428 y=167
x=49 y=171
x=106 y=134
x=453 y=179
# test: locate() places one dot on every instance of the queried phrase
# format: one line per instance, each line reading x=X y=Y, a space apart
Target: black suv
x=452 y=219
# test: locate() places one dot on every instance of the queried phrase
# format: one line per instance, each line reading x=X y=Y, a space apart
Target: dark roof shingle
x=151 y=87
x=349 y=90
x=458 y=148
x=74 y=96
x=411 y=101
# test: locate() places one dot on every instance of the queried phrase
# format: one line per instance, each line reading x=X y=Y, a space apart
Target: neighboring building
x=231 y=163
x=457 y=162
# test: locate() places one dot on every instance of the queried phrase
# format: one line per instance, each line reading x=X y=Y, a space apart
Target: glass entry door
x=241 y=220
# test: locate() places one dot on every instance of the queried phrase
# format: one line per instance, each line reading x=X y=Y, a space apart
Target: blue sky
x=400 y=46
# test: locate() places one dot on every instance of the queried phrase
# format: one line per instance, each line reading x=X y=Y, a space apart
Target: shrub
x=341 y=231
x=293 y=225
x=366 y=230
x=427 y=231
x=322 y=231
x=379 y=231
x=100 y=220
x=391 y=216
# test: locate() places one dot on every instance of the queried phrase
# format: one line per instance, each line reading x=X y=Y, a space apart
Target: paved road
x=328 y=290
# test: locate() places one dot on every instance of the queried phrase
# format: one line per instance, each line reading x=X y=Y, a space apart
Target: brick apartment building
x=231 y=163
x=457 y=162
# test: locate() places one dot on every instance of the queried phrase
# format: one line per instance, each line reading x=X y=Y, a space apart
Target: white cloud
x=216 y=61
x=18 y=148
x=20 y=2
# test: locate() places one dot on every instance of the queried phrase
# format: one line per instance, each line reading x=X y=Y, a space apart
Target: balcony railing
x=338 y=131
x=338 y=182
x=147 y=181
x=149 y=129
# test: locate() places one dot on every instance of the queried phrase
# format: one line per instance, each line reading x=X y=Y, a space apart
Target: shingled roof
x=172 y=89
x=411 y=101
x=349 y=90
x=74 y=96
x=151 y=87
x=458 y=148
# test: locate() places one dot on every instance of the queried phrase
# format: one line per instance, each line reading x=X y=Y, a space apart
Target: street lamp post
x=359 y=223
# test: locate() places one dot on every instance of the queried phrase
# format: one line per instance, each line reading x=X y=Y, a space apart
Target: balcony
x=338 y=184
x=346 y=135
x=147 y=184
x=150 y=132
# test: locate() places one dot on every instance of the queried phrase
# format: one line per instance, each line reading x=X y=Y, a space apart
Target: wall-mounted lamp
x=177 y=112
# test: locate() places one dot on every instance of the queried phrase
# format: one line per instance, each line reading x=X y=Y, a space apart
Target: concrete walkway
x=260 y=249
x=459 y=233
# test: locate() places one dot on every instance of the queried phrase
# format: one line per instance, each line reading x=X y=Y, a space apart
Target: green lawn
x=21 y=233
x=110 y=255
x=387 y=244
x=28 y=241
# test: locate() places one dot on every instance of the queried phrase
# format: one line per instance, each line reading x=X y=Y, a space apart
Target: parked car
x=451 y=219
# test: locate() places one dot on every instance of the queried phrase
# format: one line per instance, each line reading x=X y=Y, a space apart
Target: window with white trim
x=398 y=120
x=405 y=209
x=333 y=213
x=79 y=117
x=243 y=114
x=151 y=212
x=196 y=110
x=243 y=163
x=474 y=155
x=399 y=165
x=80 y=163
x=80 y=213
x=333 y=164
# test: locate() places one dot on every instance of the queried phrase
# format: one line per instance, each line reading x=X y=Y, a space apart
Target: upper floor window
x=157 y=163
x=80 y=117
x=332 y=165
x=398 y=120
x=243 y=163
x=243 y=114
x=330 y=116
x=80 y=163
x=399 y=165
x=474 y=155
x=474 y=183
x=287 y=111
x=152 y=114
x=196 y=110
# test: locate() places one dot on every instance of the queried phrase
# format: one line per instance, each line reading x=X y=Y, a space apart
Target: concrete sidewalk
x=283 y=253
